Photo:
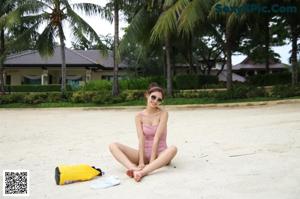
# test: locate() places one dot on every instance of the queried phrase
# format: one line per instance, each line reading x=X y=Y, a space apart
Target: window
x=107 y=77
x=73 y=80
x=110 y=77
x=8 y=80
x=31 y=79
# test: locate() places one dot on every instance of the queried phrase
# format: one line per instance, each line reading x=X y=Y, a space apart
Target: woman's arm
x=159 y=132
x=139 y=129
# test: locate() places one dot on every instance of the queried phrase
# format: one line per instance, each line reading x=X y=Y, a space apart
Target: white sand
x=228 y=153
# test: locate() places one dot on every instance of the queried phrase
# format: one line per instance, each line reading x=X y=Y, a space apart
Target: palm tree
x=141 y=18
x=165 y=28
x=115 y=88
x=11 y=27
x=55 y=13
x=292 y=21
x=114 y=6
x=232 y=23
x=7 y=14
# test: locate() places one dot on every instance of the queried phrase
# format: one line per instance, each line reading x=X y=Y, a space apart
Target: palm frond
x=168 y=3
x=22 y=39
x=45 y=43
x=82 y=28
x=138 y=31
x=35 y=19
x=32 y=6
x=168 y=20
x=92 y=9
x=6 y=6
x=213 y=14
x=9 y=19
x=194 y=13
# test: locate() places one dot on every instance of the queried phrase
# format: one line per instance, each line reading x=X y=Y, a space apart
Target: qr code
x=16 y=183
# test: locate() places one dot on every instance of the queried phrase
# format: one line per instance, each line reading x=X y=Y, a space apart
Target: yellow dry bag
x=67 y=174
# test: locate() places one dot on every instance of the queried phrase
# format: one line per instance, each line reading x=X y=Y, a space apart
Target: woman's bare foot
x=138 y=175
x=130 y=172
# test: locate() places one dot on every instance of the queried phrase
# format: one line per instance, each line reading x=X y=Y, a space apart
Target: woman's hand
x=141 y=166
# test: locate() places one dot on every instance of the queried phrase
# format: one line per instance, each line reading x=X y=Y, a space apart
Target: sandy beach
x=223 y=153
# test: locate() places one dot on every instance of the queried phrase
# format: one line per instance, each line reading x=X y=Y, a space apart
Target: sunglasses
x=154 y=97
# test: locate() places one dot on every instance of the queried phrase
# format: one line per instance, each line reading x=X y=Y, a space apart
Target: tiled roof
x=73 y=57
x=248 y=63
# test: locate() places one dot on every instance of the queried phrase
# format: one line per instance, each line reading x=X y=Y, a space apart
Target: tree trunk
x=115 y=88
x=267 y=44
x=169 y=66
x=2 y=90
x=165 y=64
x=190 y=56
x=294 y=56
x=63 y=58
x=228 y=60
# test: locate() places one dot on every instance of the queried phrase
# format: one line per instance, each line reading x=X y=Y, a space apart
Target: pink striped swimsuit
x=149 y=133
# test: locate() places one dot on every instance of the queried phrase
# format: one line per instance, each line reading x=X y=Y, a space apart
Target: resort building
x=28 y=67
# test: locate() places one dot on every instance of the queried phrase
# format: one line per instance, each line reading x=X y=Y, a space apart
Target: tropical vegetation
x=160 y=34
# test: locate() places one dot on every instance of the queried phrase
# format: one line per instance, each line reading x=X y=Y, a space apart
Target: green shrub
x=186 y=82
x=35 y=98
x=283 y=91
x=97 y=85
x=35 y=88
x=206 y=80
x=82 y=96
x=269 y=79
x=102 y=98
x=56 y=97
x=215 y=85
x=194 y=81
x=12 y=98
x=129 y=95
x=237 y=92
x=136 y=83
x=256 y=92
x=141 y=83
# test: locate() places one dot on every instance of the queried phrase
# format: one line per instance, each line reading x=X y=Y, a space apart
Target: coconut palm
x=114 y=7
x=55 y=13
x=141 y=16
x=185 y=16
x=8 y=17
x=293 y=24
x=233 y=25
x=115 y=88
x=164 y=29
x=11 y=28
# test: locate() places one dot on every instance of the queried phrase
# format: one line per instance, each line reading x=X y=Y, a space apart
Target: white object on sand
x=102 y=183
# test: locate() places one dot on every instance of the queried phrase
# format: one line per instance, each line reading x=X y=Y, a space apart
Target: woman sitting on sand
x=151 y=125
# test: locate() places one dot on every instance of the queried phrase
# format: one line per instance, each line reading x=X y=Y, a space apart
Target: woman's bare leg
x=127 y=156
x=162 y=160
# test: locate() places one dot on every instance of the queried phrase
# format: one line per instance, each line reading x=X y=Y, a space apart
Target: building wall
x=17 y=74
x=104 y=74
x=54 y=74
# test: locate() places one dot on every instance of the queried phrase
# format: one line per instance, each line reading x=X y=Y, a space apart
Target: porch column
x=4 y=77
x=88 y=75
x=44 y=77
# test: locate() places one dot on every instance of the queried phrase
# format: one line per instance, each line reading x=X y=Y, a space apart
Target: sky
x=104 y=27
